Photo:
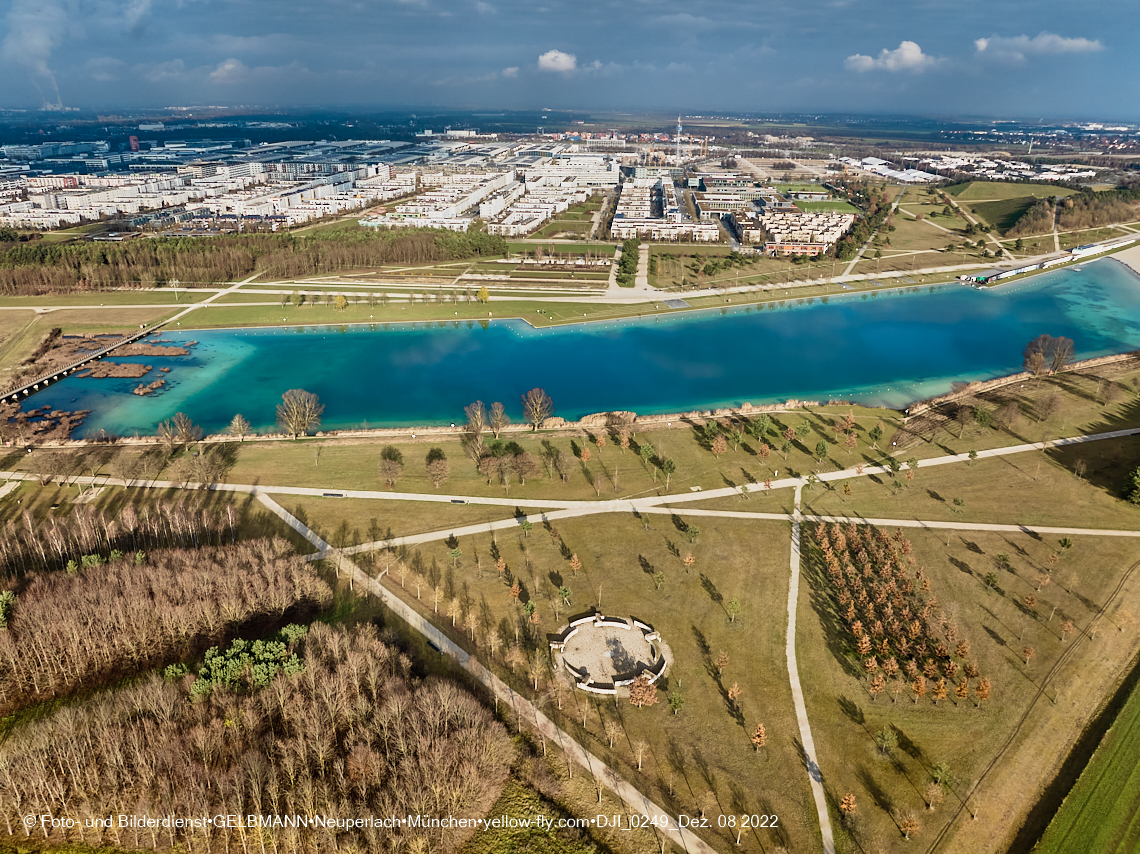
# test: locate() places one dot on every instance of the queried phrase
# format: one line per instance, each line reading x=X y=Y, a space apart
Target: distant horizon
x=182 y=111
x=973 y=57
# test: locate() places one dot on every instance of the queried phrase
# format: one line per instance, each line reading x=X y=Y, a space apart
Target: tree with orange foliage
x=982 y=691
x=918 y=688
x=642 y=692
x=939 y=692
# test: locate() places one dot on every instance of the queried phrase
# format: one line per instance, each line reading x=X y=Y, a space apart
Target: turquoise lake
x=888 y=348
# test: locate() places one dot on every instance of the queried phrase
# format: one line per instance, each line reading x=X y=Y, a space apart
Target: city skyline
x=1024 y=60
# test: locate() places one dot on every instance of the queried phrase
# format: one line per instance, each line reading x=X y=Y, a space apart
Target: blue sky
x=1021 y=58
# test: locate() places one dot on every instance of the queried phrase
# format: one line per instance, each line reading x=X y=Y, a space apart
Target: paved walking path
x=883 y=467
x=655 y=504
x=641 y=278
x=574 y=751
x=806 y=740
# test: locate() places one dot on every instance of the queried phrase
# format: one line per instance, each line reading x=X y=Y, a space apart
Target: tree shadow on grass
x=823 y=604
x=702 y=642
x=995 y=637
x=962 y=566
x=910 y=747
x=972 y=547
x=878 y=794
x=852 y=710
x=709 y=586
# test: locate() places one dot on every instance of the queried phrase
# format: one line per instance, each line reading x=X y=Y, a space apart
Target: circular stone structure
x=603 y=654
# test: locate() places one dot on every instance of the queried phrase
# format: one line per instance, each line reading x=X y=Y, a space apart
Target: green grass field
x=1004 y=491
x=20 y=331
x=703 y=753
x=105 y=298
x=998 y=626
x=832 y=206
x=1102 y=812
x=352 y=521
x=601 y=250
x=977 y=191
x=1005 y=213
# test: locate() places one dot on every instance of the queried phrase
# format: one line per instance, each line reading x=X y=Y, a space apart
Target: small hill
x=989 y=191
x=1003 y=215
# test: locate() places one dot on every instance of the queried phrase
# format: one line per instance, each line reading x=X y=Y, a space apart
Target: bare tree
x=239 y=427
x=1048 y=353
x=537 y=407
x=498 y=418
x=299 y=411
x=185 y=429
x=476 y=424
x=391 y=465
x=438 y=468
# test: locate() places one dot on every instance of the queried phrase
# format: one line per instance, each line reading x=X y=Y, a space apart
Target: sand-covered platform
x=603 y=654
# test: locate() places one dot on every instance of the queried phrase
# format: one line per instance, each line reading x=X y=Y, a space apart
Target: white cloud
x=1017 y=48
x=513 y=71
x=162 y=71
x=105 y=68
x=556 y=60
x=230 y=71
x=908 y=56
x=135 y=12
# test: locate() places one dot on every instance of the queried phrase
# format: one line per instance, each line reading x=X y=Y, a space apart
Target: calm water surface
x=886 y=348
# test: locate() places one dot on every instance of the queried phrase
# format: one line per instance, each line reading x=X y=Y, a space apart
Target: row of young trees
x=104 y=619
x=40 y=267
x=893 y=631
x=627 y=266
x=351 y=735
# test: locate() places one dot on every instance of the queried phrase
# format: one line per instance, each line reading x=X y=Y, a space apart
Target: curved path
x=635 y=800
x=656 y=504
x=806 y=740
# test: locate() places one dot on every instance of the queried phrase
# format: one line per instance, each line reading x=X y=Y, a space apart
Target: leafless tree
x=498 y=419
x=299 y=411
x=537 y=407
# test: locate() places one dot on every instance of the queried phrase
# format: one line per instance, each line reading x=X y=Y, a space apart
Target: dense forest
x=27 y=546
x=1084 y=210
x=104 y=619
x=40 y=267
x=349 y=734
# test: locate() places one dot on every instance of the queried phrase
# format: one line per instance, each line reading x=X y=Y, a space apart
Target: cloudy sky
x=1023 y=58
